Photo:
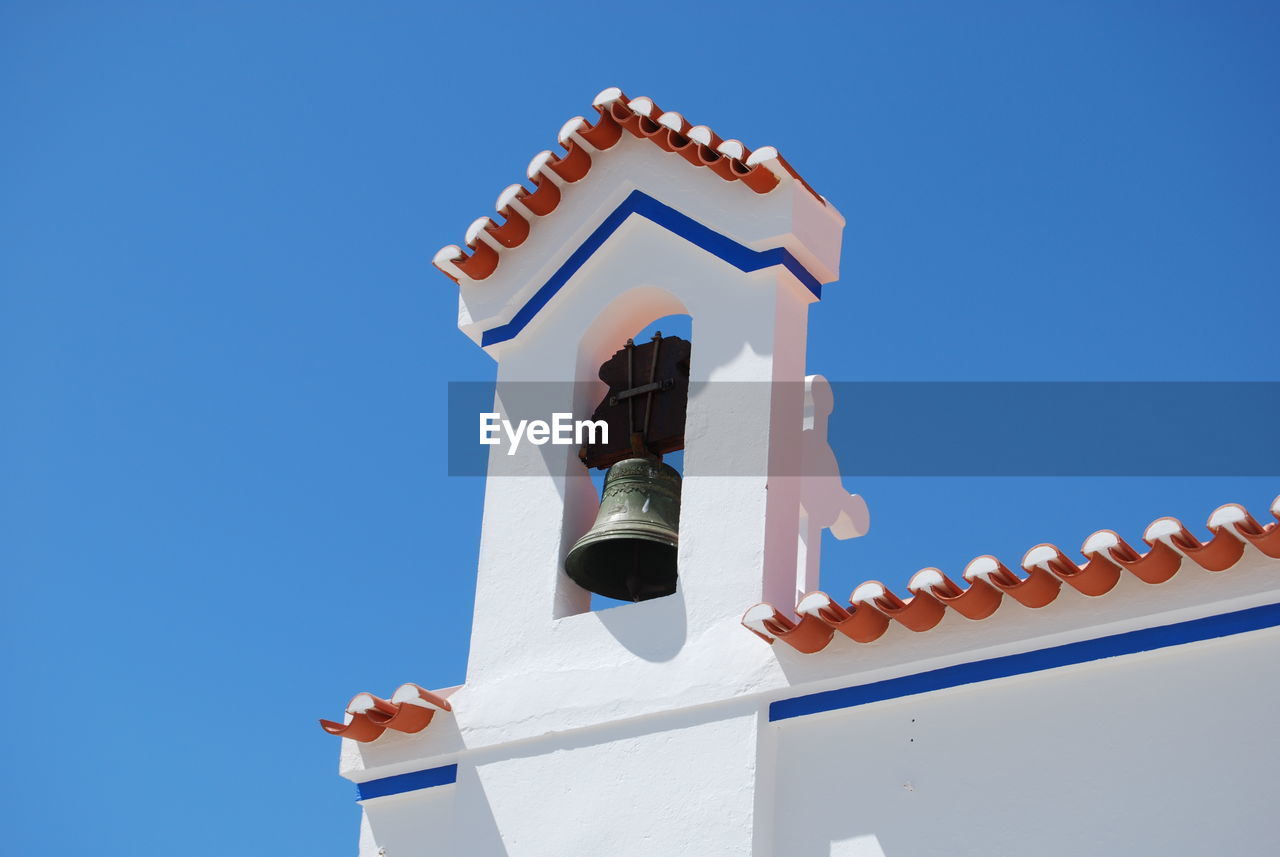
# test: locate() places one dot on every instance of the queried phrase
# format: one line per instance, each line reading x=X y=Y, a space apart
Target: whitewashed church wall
x=1168 y=752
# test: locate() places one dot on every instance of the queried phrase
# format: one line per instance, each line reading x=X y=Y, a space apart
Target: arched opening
x=637 y=315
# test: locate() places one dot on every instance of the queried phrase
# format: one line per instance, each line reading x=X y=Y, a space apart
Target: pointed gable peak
x=554 y=175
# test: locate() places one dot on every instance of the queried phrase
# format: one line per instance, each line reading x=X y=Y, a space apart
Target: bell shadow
x=654 y=630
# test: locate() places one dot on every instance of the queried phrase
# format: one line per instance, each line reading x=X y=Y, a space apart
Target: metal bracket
x=655 y=386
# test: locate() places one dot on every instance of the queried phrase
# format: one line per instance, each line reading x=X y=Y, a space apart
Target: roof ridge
x=872 y=605
x=485 y=241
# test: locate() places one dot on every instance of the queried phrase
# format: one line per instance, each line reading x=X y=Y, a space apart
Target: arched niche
x=635 y=314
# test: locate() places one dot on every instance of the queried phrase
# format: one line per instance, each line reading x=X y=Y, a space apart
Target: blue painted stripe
x=410 y=782
x=1131 y=642
x=722 y=247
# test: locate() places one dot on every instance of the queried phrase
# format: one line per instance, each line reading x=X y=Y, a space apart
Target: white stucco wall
x=1169 y=752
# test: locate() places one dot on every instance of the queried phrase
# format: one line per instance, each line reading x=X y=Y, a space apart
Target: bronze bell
x=630 y=551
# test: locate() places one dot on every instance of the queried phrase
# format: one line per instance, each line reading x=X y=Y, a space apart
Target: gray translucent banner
x=957 y=429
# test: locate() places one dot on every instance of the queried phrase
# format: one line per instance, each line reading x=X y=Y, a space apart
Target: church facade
x=1119 y=701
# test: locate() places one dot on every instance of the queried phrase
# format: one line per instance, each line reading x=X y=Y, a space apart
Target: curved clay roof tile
x=1037 y=589
x=1096 y=577
x=446 y=260
x=514 y=229
x=919 y=613
x=410 y=709
x=860 y=622
x=979 y=601
x=1264 y=538
x=359 y=728
x=544 y=198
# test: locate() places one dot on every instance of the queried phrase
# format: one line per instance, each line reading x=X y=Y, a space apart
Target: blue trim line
x=410 y=782
x=1131 y=642
x=739 y=256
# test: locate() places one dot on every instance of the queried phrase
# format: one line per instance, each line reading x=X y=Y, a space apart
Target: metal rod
x=631 y=415
x=653 y=377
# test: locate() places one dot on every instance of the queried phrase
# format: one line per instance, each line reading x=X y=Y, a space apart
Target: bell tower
x=642 y=216
x=637 y=216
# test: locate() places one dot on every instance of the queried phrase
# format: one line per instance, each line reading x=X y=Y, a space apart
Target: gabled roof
x=872 y=606
x=552 y=174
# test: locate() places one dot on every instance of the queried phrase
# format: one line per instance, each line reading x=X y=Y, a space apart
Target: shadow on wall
x=651 y=630
x=472 y=818
x=501 y=799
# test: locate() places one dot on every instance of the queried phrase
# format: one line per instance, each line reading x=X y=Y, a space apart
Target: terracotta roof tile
x=872 y=606
x=552 y=173
x=410 y=709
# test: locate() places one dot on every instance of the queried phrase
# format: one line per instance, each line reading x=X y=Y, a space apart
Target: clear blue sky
x=224 y=505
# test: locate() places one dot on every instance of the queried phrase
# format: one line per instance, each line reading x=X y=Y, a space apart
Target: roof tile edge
x=410 y=709
x=867 y=616
x=551 y=173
